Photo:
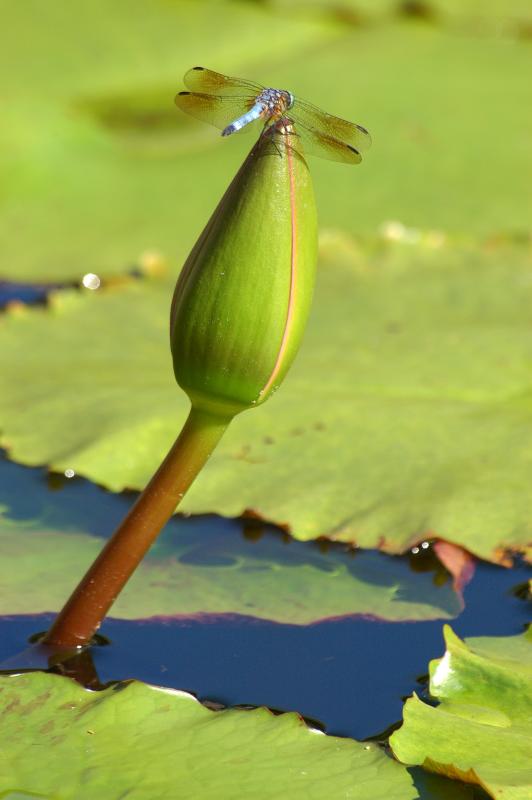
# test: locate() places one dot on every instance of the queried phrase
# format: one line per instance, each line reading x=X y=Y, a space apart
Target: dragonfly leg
x=286 y=128
x=268 y=130
x=282 y=126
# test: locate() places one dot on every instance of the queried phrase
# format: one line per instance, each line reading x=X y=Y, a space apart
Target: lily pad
x=94 y=155
x=145 y=741
x=407 y=414
x=474 y=16
x=482 y=730
x=210 y=567
x=98 y=167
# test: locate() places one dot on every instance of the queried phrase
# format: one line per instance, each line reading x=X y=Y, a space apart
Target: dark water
x=27 y=293
x=350 y=674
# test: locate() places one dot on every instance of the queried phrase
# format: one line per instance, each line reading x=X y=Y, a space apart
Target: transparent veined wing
x=307 y=141
x=314 y=119
x=214 y=109
x=200 y=79
x=317 y=143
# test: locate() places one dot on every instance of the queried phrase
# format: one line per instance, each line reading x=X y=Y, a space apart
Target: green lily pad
x=98 y=167
x=208 y=566
x=474 y=16
x=408 y=412
x=482 y=730
x=432 y=164
x=144 y=742
x=94 y=154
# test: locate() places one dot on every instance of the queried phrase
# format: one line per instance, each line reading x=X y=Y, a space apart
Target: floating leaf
x=474 y=17
x=432 y=166
x=211 y=566
x=94 y=155
x=482 y=730
x=98 y=167
x=144 y=742
x=407 y=414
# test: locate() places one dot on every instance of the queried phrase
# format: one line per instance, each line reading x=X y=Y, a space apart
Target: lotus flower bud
x=243 y=297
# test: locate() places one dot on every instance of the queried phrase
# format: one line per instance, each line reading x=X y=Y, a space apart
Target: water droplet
x=91 y=281
x=425 y=545
x=415 y=550
x=69 y=473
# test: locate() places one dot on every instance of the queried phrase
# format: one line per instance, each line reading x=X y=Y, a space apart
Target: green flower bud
x=243 y=297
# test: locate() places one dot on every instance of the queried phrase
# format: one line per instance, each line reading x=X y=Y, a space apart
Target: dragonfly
x=233 y=104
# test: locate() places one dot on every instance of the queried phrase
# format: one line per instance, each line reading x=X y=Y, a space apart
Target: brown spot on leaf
x=47 y=727
x=297 y=431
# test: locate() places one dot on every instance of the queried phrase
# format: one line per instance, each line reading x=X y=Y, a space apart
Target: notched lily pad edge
x=443 y=700
x=502 y=556
x=291 y=718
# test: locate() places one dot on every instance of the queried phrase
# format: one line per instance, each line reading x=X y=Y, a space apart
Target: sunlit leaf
x=406 y=415
x=448 y=154
x=144 y=742
x=474 y=17
x=212 y=566
x=100 y=171
x=95 y=159
x=481 y=731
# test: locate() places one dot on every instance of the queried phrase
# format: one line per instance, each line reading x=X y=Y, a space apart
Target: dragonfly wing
x=314 y=118
x=200 y=79
x=321 y=144
x=216 y=110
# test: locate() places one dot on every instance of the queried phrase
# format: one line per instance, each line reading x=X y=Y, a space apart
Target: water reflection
x=209 y=565
x=350 y=673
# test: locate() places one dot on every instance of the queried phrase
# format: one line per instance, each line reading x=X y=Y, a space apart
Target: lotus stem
x=85 y=610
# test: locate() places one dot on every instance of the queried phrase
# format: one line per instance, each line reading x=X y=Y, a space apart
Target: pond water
x=349 y=674
x=27 y=293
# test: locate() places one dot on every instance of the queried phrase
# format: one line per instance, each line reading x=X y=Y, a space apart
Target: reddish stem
x=85 y=610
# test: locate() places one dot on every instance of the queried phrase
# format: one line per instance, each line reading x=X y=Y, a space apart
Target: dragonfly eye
x=290 y=98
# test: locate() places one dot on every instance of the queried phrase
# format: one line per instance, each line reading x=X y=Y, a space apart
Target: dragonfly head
x=276 y=101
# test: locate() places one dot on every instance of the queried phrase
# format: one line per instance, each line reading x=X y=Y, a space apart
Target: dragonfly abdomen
x=253 y=114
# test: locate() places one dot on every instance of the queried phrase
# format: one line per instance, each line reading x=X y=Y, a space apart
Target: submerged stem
x=85 y=610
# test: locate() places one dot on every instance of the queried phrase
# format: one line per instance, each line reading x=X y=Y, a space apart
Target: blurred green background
x=99 y=169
